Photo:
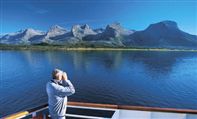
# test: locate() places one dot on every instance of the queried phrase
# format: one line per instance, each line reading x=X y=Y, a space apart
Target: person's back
x=58 y=89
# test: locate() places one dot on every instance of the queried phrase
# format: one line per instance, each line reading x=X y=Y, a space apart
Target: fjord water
x=140 y=78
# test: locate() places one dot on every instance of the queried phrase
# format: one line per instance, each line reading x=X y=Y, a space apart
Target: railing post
x=34 y=115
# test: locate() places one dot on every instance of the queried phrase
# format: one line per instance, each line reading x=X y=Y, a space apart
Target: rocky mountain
x=116 y=30
x=164 y=34
x=79 y=31
x=112 y=35
x=53 y=32
x=21 y=37
x=70 y=37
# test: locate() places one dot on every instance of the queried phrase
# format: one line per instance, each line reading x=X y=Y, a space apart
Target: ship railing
x=41 y=112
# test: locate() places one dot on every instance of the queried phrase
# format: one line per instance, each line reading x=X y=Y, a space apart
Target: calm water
x=158 y=79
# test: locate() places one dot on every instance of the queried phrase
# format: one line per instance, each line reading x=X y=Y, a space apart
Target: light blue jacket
x=57 y=92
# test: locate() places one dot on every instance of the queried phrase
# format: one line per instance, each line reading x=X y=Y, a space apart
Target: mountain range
x=164 y=34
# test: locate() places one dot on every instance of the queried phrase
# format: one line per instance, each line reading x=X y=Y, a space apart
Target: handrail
x=96 y=105
x=17 y=115
x=110 y=106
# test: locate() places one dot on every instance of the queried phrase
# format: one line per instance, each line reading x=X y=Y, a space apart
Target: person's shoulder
x=49 y=83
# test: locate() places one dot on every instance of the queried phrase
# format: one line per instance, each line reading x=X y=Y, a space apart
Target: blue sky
x=132 y=14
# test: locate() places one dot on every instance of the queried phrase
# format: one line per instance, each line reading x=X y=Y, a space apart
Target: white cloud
x=36 y=9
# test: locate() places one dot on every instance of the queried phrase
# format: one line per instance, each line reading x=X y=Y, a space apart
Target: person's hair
x=54 y=72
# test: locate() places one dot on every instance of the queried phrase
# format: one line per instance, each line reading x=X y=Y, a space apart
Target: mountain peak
x=115 y=25
x=169 y=23
x=57 y=28
x=85 y=26
x=55 y=31
x=80 y=31
x=164 y=24
x=31 y=31
x=115 y=29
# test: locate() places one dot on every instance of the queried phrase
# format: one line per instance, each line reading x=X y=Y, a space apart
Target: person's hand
x=64 y=76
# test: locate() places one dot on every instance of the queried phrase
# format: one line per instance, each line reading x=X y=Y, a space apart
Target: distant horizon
x=131 y=14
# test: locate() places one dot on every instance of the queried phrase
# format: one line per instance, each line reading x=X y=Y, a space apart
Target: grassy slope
x=60 y=47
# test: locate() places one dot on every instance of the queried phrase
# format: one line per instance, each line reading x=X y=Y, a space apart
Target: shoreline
x=63 y=48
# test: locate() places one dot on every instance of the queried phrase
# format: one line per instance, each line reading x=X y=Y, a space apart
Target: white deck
x=131 y=114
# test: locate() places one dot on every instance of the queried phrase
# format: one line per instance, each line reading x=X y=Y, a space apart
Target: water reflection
x=158 y=62
x=152 y=62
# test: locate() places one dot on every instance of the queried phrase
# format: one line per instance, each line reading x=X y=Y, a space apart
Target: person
x=57 y=90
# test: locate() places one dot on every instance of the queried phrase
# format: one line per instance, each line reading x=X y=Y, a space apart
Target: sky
x=131 y=14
